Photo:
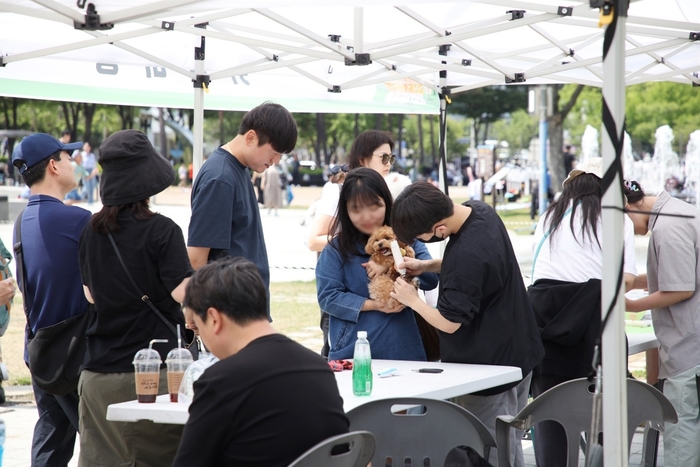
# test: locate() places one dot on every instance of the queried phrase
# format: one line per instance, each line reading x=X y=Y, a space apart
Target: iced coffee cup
x=178 y=360
x=147 y=374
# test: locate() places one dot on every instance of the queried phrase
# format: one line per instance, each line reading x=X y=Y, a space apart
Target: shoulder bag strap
x=144 y=297
x=539 y=246
x=17 y=247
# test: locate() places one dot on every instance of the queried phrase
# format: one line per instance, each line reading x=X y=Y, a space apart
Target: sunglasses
x=335 y=170
x=386 y=158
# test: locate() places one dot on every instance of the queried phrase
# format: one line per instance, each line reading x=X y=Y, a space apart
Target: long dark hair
x=106 y=219
x=368 y=187
x=582 y=192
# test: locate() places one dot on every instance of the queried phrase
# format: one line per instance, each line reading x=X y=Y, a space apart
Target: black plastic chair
x=422 y=430
x=352 y=449
x=570 y=404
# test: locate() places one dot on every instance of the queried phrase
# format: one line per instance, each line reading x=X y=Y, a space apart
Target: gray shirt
x=673 y=266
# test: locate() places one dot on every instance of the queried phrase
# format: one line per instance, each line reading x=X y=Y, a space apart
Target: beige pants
x=122 y=444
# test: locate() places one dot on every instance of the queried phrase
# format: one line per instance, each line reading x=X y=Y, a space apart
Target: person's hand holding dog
x=405 y=293
x=374 y=269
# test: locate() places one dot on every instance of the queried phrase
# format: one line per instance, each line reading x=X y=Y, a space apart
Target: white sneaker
x=4 y=374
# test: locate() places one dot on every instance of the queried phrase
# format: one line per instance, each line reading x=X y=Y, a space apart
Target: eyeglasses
x=386 y=158
x=335 y=170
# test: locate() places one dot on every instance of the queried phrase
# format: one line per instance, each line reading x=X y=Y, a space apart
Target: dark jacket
x=568 y=316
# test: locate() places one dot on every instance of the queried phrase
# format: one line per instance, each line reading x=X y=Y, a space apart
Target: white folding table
x=455 y=380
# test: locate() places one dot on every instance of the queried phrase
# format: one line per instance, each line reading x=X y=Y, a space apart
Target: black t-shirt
x=155 y=254
x=482 y=288
x=264 y=406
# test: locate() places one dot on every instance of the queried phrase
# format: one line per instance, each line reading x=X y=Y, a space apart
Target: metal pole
x=198 y=124
x=614 y=351
x=442 y=161
x=544 y=186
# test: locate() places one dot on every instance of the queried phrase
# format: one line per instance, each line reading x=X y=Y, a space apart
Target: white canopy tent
x=353 y=56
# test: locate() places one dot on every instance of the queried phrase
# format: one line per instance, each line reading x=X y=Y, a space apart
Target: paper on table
x=398 y=258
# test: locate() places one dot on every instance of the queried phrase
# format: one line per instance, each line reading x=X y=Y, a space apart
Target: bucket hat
x=132 y=170
x=594 y=165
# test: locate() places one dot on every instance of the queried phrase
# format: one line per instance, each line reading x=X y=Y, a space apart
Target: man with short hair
x=50 y=233
x=268 y=399
x=225 y=215
x=66 y=136
x=483 y=314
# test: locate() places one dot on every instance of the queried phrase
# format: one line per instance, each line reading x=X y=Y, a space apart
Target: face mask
x=432 y=239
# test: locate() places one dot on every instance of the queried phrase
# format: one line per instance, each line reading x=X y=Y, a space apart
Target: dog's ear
x=369 y=248
x=410 y=253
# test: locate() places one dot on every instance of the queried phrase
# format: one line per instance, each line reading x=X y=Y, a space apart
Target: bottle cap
x=362 y=334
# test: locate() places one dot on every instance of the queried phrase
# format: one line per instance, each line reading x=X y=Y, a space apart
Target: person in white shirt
x=565 y=292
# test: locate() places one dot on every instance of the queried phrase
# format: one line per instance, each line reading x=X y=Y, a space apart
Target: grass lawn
x=294 y=310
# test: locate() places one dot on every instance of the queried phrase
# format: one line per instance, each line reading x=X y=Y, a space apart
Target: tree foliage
x=488 y=104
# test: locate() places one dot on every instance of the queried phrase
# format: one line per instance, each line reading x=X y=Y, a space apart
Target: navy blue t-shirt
x=225 y=213
x=50 y=239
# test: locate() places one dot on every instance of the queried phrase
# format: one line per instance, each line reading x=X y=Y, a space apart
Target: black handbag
x=56 y=353
x=190 y=338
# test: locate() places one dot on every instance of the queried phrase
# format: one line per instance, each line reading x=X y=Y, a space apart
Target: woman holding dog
x=362 y=154
x=343 y=275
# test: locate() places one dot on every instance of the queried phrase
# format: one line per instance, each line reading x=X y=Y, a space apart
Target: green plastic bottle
x=362 y=366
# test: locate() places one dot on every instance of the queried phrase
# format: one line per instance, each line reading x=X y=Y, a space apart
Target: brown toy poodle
x=379 y=248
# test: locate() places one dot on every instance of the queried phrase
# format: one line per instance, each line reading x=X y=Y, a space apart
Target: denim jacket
x=342 y=290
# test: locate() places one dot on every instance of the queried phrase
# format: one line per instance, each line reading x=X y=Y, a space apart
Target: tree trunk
x=162 y=137
x=421 y=153
x=400 y=133
x=89 y=111
x=378 y=121
x=433 y=151
x=71 y=112
x=321 y=140
x=126 y=114
x=5 y=112
x=555 y=158
x=221 y=128
x=357 y=125
x=477 y=132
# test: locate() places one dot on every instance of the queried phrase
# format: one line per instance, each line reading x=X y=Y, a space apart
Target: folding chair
x=422 y=435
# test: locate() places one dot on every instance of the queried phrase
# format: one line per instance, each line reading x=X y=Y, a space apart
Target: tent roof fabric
x=332 y=56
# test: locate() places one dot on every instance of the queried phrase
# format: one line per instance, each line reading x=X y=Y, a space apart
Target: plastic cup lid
x=179 y=354
x=147 y=356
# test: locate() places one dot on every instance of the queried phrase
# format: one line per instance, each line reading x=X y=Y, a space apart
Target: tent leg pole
x=613 y=359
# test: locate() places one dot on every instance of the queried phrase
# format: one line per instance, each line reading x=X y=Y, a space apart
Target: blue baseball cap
x=37 y=147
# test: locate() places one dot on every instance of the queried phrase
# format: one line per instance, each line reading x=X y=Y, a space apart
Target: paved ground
x=289 y=261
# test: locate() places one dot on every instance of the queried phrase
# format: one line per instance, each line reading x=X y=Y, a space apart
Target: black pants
x=54 y=432
x=550 y=438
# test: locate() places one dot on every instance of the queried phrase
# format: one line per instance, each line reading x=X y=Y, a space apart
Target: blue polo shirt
x=50 y=237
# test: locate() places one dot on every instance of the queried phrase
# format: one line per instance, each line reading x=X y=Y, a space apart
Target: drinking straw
x=179 y=339
x=155 y=341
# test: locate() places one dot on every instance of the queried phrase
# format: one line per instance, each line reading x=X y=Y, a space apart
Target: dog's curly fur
x=379 y=248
